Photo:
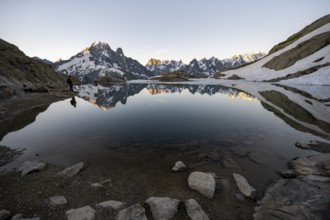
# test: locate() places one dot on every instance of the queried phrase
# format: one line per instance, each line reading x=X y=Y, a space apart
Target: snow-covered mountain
x=304 y=58
x=204 y=67
x=100 y=60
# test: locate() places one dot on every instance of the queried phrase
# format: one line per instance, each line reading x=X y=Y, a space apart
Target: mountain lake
x=133 y=134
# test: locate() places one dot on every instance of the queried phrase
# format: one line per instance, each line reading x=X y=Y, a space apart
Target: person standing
x=70 y=82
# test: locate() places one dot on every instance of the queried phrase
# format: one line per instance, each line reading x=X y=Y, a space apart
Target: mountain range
x=204 y=67
x=100 y=60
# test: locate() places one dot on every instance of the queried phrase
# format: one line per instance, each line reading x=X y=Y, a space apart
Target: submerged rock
x=85 y=213
x=288 y=174
x=56 y=201
x=20 y=217
x=134 y=212
x=314 y=145
x=203 y=183
x=111 y=204
x=73 y=170
x=179 y=166
x=243 y=185
x=195 y=211
x=163 y=208
x=316 y=164
x=231 y=164
x=4 y=214
x=31 y=166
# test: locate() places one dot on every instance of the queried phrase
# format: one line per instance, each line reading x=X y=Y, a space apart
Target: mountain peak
x=153 y=61
x=119 y=51
x=99 y=44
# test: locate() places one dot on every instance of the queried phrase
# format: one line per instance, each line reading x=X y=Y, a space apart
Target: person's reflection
x=73 y=102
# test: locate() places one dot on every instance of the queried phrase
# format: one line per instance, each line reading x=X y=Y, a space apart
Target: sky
x=144 y=29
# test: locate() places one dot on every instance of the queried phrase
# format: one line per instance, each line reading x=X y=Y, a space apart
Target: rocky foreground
x=302 y=193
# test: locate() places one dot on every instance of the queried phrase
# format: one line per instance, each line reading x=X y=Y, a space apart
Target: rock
x=299 y=198
x=318 y=146
x=231 y=164
x=253 y=156
x=248 y=142
x=302 y=145
x=73 y=170
x=111 y=204
x=31 y=166
x=312 y=165
x=288 y=174
x=163 y=208
x=83 y=213
x=214 y=156
x=179 y=166
x=240 y=197
x=195 y=211
x=4 y=214
x=97 y=185
x=239 y=151
x=243 y=185
x=203 y=183
x=20 y=217
x=202 y=156
x=134 y=212
x=56 y=201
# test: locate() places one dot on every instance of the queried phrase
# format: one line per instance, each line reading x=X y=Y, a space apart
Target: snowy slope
x=256 y=71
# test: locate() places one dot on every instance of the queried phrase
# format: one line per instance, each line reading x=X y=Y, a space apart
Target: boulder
x=163 y=208
x=111 y=204
x=31 y=166
x=195 y=211
x=85 y=213
x=179 y=166
x=299 y=198
x=203 y=183
x=134 y=212
x=73 y=170
x=243 y=185
x=56 y=201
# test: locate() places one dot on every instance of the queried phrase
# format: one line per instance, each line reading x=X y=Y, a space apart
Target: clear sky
x=171 y=29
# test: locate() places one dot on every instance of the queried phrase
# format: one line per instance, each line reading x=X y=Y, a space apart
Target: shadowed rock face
x=293 y=109
x=302 y=50
x=18 y=70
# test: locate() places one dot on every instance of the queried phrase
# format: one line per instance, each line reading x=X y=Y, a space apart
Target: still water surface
x=144 y=116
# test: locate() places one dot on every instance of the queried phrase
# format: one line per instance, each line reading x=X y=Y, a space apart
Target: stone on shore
x=134 y=212
x=203 y=183
x=163 y=208
x=4 y=214
x=179 y=166
x=85 y=213
x=31 y=166
x=56 y=201
x=73 y=170
x=243 y=185
x=111 y=204
x=195 y=211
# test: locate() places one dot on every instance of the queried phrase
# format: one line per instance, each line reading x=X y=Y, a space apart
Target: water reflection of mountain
x=305 y=108
x=108 y=97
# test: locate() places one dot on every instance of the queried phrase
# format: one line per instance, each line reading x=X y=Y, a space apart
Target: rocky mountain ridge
x=100 y=60
x=204 y=67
